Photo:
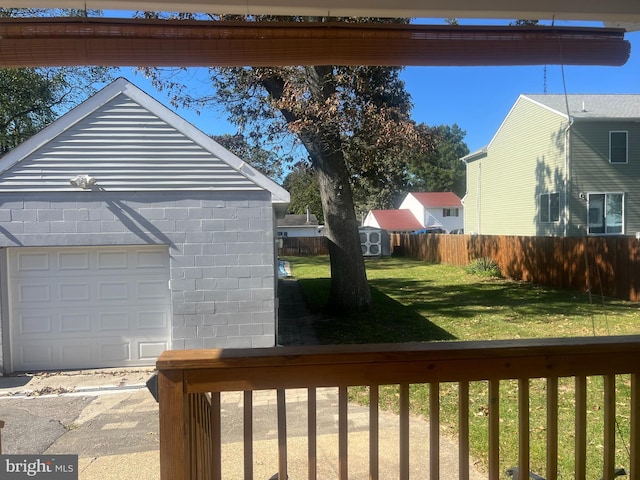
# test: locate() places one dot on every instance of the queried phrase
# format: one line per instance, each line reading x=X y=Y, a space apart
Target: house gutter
x=566 y=175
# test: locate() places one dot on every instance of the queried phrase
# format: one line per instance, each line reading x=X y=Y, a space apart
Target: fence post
x=174 y=452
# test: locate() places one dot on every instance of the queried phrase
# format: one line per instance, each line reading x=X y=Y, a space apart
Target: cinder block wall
x=221 y=247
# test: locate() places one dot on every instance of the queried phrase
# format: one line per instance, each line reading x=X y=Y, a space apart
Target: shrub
x=484 y=266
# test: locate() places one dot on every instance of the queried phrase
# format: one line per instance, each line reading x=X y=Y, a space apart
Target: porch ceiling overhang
x=598 y=10
x=31 y=42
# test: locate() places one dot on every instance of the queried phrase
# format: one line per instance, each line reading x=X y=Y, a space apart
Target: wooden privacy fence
x=303 y=246
x=191 y=383
x=603 y=265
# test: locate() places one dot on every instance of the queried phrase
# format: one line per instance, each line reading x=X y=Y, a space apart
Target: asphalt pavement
x=110 y=420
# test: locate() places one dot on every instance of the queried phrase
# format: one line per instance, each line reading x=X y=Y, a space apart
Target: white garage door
x=88 y=307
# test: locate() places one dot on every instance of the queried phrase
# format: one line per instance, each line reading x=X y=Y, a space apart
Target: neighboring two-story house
x=424 y=211
x=436 y=209
x=559 y=166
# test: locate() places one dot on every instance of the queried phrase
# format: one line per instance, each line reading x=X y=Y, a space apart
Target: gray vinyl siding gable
x=592 y=172
x=125 y=147
x=525 y=159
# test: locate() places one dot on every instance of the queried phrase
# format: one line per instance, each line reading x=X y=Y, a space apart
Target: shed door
x=88 y=307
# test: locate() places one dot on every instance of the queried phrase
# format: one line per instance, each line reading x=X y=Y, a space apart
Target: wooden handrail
x=184 y=374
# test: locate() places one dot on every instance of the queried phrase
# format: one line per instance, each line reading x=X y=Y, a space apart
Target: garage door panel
x=118 y=352
x=110 y=291
x=73 y=261
x=107 y=352
x=75 y=355
x=152 y=320
x=110 y=260
x=113 y=321
x=150 y=260
x=74 y=292
x=88 y=307
x=34 y=293
x=151 y=290
x=75 y=323
x=151 y=350
x=32 y=262
x=35 y=355
x=35 y=324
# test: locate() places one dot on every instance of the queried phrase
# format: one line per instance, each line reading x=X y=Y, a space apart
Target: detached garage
x=125 y=231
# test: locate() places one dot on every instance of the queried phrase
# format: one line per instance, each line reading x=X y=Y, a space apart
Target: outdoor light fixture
x=83 y=181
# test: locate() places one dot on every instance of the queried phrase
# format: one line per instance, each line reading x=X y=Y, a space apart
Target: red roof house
x=393 y=220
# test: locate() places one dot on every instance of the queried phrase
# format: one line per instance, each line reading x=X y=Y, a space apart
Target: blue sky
x=475 y=98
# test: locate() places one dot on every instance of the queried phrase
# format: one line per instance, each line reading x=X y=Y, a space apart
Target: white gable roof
x=128 y=141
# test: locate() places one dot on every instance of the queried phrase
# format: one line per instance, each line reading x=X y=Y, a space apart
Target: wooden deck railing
x=190 y=384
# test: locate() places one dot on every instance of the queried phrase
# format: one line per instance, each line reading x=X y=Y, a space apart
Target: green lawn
x=416 y=301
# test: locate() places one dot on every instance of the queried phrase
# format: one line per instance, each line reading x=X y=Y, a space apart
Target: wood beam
x=127 y=42
x=610 y=10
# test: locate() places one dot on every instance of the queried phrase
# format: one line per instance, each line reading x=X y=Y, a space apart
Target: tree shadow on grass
x=391 y=322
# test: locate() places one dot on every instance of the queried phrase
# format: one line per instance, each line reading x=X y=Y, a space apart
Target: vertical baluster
x=581 y=427
x=248 y=435
x=434 y=429
x=609 y=426
x=282 y=433
x=494 y=429
x=343 y=436
x=312 y=432
x=203 y=440
x=552 y=428
x=374 y=443
x=207 y=458
x=193 y=434
x=523 y=426
x=216 y=436
x=463 y=427
x=404 y=431
x=634 y=467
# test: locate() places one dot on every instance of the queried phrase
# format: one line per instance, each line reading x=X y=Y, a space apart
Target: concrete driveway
x=107 y=417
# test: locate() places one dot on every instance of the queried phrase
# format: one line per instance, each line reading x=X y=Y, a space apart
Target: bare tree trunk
x=350 y=291
x=349 y=287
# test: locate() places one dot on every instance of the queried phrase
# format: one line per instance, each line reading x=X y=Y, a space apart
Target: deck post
x=174 y=451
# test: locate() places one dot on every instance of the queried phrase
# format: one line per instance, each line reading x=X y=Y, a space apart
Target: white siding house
x=436 y=209
x=125 y=231
x=292 y=225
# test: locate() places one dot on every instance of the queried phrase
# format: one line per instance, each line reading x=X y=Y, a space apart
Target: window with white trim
x=549 y=207
x=605 y=213
x=618 y=147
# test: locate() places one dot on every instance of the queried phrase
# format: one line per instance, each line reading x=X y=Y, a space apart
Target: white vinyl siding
x=521 y=163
